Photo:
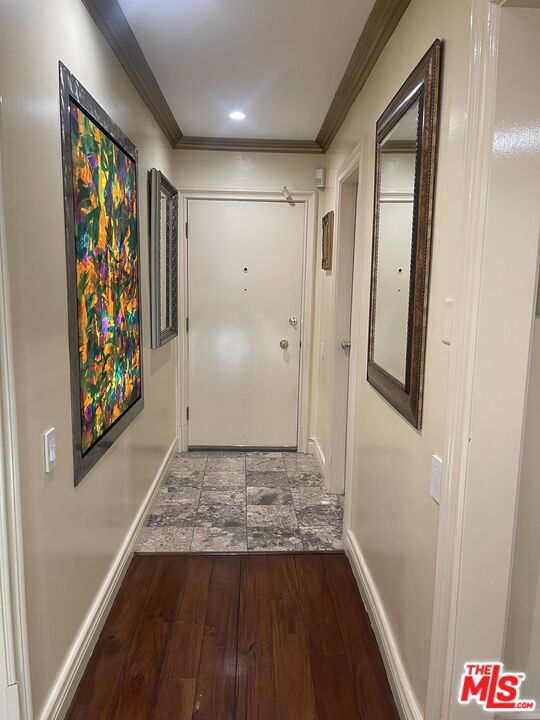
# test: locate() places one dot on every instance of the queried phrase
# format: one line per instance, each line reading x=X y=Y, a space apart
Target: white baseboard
x=404 y=695
x=66 y=683
x=315 y=449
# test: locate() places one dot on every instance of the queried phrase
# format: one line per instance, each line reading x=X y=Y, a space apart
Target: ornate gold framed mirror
x=406 y=149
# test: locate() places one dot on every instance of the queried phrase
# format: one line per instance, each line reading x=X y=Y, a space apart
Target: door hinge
x=186 y=229
x=187 y=413
x=187 y=324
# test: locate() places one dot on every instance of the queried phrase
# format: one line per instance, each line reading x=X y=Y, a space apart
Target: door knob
x=346 y=344
x=284 y=344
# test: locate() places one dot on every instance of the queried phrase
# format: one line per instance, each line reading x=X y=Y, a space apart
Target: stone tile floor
x=237 y=501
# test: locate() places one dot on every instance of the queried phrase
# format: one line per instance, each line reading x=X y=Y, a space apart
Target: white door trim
x=355 y=363
x=12 y=586
x=459 y=626
x=334 y=471
x=309 y=198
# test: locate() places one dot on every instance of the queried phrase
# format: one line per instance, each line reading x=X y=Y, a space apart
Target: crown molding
x=380 y=25
x=110 y=19
x=399 y=146
x=248 y=144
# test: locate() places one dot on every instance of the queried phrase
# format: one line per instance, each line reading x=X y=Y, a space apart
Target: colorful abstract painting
x=105 y=223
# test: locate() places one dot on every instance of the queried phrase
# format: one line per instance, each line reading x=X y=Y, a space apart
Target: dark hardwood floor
x=250 y=637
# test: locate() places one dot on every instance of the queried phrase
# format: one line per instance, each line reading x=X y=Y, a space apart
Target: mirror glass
x=164 y=279
x=394 y=246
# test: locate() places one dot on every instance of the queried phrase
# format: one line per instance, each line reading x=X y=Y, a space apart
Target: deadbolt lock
x=284 y=344
x=293 y=321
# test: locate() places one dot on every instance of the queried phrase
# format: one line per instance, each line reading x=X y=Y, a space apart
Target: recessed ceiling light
x=237 y=115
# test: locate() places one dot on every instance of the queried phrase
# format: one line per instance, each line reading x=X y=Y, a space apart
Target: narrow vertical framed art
x=103 y=274
x=327 y=240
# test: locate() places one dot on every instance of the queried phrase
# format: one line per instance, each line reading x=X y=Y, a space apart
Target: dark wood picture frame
x=422 y=87
x=158 y=184
x=327 y=240
x=73 y=93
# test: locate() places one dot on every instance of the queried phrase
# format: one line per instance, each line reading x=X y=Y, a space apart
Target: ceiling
x=279 y=61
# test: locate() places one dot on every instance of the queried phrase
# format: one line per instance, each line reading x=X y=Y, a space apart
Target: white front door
x=245 y=274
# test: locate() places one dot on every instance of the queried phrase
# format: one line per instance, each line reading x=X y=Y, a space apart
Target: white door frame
x=335 y=468
x=309 y=199
x=477 y=511
x=16 y=696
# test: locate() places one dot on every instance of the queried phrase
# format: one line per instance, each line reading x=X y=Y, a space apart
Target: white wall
x=393 y=518
x=70 y=535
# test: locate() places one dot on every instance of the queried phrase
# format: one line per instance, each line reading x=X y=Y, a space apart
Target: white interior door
x=244 y=298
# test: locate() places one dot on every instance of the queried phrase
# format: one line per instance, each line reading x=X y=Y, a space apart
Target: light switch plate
x=436 y=478
x=49 y=449
x=447 y=321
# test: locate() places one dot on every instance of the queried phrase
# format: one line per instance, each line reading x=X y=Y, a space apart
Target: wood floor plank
x=295 y=695
x=186 y=632
x=175 y=699
x=332 y=678
x=138 y=686
x=371 y=686
x=175 y=696
x=255 y=687
x=97 y=687
x=334 y=692
x=324 y=636
x=134 y=698
x=216 y=683
x=166 y=588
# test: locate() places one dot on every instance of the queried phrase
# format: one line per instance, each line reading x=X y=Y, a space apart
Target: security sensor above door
x=319 y=180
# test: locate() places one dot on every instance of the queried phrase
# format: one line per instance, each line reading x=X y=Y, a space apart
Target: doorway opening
x=245 y=361
x=343 y=356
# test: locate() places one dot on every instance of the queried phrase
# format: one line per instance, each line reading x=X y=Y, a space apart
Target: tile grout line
x=198 y=503
x=293 y=504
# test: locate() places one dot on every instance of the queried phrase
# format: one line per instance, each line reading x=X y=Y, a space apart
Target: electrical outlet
x=436 y=478
x=49 y=449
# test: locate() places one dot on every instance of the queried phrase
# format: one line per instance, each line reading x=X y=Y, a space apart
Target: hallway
x=237 y=501
x=267 y=637
x=269 y=359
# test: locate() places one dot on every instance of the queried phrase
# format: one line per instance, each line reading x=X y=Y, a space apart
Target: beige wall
x=70 y=535
x=394 y=519
x=227 y=170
